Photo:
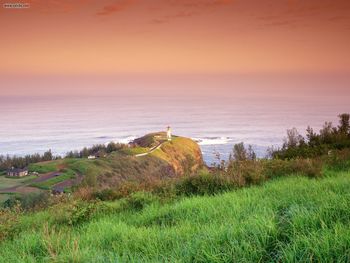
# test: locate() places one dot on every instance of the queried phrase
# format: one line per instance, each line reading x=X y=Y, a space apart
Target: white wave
x=212 y=140
x=126 y=140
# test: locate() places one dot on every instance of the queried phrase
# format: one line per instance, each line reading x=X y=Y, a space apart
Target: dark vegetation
x=6 y=162
x=97 y=150
x=315 y=144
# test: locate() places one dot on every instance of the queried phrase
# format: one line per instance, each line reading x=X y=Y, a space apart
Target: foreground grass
x=286 y=220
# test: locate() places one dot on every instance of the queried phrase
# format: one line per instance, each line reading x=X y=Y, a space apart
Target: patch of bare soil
x=20 y=189
x=68 y=183
x=45 y=177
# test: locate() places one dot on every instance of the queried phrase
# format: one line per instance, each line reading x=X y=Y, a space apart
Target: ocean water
x=32 y=124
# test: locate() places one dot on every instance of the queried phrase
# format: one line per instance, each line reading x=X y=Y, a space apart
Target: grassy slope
x=285 y=220
x=45 y=167
x=7 y=182
x=172 y=159
x=182 y=153
x=48 y=184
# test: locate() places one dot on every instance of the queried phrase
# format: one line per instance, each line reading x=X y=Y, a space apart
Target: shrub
x=9 y=221
x=309 y=167
x=245 y=172
x=338 y=160
x=316 y=144
x=84 y=193
x=90 y=180
x=77 y=211
x=29 y=201
x=203 y=184
x=127 y=188
x=139 y=200
x=276 y=168
x=106 y=194
x=35 y=200
x=165 y=190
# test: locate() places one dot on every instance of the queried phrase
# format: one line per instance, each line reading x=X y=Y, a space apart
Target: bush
x=29 y=201
x=338 y=160
x=275 y=168
x=127 y=188
x=316 y=144
x=106 y=194
x=308 y=167
x=9 y=221
x=90 y=180
x=245 y=172
x=139 y=200
x=77 y=211
x=203 y=184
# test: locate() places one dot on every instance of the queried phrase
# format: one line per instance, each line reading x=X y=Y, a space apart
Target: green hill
x=172 y=159
x=292 y=219
x=148 y=160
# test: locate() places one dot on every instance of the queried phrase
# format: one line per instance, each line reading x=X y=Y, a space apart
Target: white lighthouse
x=168 y=133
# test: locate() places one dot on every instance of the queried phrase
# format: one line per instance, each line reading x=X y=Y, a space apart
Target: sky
x=66 y=46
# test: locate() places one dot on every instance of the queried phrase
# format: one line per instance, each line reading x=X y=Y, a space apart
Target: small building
x=91 y=157
x=17 y=172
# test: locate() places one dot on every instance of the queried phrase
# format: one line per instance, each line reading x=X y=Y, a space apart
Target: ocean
x=31 y=124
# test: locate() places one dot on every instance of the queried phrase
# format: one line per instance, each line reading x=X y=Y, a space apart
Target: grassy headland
x=120 y=167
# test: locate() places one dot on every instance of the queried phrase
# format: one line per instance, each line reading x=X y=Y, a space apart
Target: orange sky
x=175 y=36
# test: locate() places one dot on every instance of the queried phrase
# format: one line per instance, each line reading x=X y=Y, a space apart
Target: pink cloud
x=115 y=7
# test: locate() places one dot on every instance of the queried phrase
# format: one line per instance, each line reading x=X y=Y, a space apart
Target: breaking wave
x=126 y=140
x=212 y=140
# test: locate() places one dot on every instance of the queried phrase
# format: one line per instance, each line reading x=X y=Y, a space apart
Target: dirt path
x=150 y=151
x=68 y=183
x=45 y=177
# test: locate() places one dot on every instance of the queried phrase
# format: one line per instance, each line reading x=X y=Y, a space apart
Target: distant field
x=48 y=184
x=135 y=150
x=292 y=219
x=45 y=167
x=12 y=182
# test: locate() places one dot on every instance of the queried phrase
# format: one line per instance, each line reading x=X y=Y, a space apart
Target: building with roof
x=17 y=172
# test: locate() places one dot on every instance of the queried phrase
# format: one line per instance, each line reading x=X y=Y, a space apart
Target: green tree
x=344 y=126
x=293 y=139
x=239 y=152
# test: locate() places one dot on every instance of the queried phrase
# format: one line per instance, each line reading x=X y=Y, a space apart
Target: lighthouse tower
x=168 y=133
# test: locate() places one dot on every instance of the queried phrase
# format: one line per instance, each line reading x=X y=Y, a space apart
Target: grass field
x=291 y=219
x=45 y=167
x=48 y=184
x=6 y=182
